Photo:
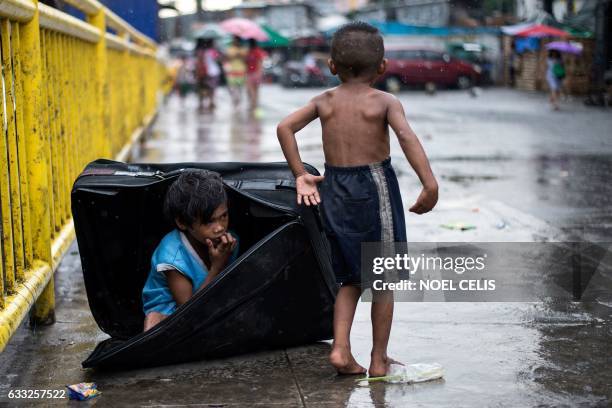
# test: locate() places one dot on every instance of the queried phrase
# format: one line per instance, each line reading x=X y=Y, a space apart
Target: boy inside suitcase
x=190 y=256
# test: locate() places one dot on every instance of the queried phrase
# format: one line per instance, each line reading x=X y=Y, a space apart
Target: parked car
x=312 y=70
x=415 y=67
x=299 y=74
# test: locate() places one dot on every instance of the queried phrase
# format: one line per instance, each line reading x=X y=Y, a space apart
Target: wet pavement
x=506 y=163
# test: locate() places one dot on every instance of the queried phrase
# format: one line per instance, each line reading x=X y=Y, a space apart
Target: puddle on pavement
x=468 y=178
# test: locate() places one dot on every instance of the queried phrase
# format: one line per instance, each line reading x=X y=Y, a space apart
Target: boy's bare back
x=355 y=125
x=355 y=118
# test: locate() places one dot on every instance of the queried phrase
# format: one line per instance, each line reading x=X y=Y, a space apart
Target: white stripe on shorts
x=385 y=213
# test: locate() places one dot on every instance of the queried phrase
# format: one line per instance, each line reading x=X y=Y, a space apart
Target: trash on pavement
x=83 y=391
x=413 y=373
x=501 y=225
x=462 y=226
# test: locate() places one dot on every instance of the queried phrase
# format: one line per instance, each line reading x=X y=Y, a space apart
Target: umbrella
x=517 y=28
x=209 y=31
x=244 y=28
x=564 y=46
x=275 y=39
x=541 y=30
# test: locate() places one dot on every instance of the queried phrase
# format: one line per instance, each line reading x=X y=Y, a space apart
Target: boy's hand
x=220 y=251
x=306 y=186
x=426 y=200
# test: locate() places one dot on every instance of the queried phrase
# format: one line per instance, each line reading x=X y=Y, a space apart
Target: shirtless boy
x=360 y=197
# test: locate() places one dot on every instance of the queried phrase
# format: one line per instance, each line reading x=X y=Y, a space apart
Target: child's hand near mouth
x=219 y=250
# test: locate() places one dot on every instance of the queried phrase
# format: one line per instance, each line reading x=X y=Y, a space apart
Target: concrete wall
x=435 y=14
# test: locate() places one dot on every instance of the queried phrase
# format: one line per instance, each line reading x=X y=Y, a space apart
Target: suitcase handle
x=261 y=185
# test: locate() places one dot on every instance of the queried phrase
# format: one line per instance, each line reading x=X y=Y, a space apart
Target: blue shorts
x=360 y=204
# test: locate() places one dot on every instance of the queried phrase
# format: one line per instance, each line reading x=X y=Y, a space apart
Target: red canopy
x=541 y=30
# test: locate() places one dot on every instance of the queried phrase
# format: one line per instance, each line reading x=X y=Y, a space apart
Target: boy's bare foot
x=344 y=362
x=379 y=365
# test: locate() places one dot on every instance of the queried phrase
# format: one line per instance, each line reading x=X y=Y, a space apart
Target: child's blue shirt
x=173 y=252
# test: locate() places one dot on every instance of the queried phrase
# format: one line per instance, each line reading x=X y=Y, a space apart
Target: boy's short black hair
x=357 y=48
x=194 y=196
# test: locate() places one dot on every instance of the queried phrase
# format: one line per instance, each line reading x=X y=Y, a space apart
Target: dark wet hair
x=357 y=48
x=194 y=196
x=252 y=43
x=204 y=43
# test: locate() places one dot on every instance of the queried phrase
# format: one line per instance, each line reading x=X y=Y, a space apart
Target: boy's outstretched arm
x=306 y=183
x=415 y=155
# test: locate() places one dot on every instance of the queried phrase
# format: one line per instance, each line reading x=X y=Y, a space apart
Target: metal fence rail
x=72 y=92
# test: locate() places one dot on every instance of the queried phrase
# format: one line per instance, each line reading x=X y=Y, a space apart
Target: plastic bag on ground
x=415 y=373
x=408 y=374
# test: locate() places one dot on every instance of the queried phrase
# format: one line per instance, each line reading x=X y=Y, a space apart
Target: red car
x=420 y=67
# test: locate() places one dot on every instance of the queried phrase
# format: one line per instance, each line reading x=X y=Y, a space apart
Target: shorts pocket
x=359 y=215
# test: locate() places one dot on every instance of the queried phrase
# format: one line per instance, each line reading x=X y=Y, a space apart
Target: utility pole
x=199 y=10
x=570 y=10
x=600 y=55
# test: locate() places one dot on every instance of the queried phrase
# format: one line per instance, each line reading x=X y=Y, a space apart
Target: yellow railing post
x=100 y=103
x=37 y=153
x=21 y=147
x=11 y=144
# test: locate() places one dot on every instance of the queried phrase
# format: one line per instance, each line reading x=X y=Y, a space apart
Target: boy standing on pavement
x=360 y=197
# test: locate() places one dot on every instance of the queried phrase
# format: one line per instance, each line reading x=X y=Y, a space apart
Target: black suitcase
x=280 y=292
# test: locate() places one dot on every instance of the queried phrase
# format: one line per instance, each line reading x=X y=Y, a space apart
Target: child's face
x=213 y=229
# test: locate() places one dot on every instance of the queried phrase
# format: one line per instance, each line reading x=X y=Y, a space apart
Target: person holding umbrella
x=207 y=71
x=254 y=61
x=555 y=73
x=235 y=69
x=236 y=55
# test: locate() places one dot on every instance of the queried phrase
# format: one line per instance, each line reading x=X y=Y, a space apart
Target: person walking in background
x=555 y=73
x=254 y=60
x=200 y=70
x=185 y=79
x=207 y=71
x=235 y=69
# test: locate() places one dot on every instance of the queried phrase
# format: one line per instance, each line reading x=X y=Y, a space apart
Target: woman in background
x=555 y=73
x=235 y=69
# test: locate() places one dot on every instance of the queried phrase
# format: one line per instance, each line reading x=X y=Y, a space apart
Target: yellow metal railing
x=72 y=92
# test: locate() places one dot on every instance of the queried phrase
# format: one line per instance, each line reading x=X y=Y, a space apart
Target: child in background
x=185 y=78
x=360 y=196
x=208 y=71
x=254 y=61
x=189 y=257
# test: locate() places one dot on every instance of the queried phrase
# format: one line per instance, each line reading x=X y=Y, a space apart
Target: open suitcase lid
x=117 y=211
x=108 y=172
